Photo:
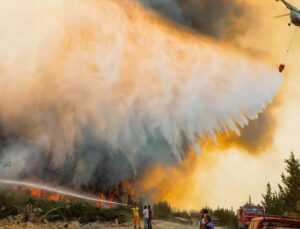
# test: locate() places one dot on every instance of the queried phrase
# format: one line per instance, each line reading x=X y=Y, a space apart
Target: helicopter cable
x=292 y=39
x=282 y=65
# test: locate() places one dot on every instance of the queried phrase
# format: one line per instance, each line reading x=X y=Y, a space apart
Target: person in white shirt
x=202 y=222
x=146 y=217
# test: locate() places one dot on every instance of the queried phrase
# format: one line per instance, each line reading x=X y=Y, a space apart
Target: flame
x=109 y=205
x=54 y=197
x=102 y=201
x=35 y=192
x=42 y=194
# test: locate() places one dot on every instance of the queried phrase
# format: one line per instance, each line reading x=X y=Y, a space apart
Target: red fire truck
x=273 y=222
x=248 y=212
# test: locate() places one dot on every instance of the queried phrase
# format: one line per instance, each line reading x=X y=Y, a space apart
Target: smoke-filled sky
x=98 y=91
x=224 y=20
x=273 y=135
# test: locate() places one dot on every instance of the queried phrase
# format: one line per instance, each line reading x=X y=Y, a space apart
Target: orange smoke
x=179 y=185
x=254 y=139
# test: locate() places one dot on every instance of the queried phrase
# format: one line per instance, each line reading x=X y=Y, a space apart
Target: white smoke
x=124 y=76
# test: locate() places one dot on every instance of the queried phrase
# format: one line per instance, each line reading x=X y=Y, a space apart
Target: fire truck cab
x=274 y=222
x=248 y=212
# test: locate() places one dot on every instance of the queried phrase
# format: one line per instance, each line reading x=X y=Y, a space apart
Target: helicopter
x=294 y=13
x=295 y=20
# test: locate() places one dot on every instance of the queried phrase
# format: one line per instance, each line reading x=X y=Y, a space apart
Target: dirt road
x=157 y=224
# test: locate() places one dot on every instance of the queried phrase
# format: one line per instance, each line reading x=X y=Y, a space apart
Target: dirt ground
x=157 y=224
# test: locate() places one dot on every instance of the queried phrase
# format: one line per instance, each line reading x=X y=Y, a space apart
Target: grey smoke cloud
x=169 y=8
x=217 y=18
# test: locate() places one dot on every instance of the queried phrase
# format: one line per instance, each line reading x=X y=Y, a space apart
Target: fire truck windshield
x=254 y=210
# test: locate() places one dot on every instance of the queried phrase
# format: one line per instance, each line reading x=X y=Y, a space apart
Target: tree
x=162 y=210
x=271 y=202
x=227 y=217
x=267 y=201
x=290 y=188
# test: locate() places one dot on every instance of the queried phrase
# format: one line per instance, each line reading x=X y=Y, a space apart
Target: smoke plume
x=92 y=92
x=226 y=20
x=222 y=19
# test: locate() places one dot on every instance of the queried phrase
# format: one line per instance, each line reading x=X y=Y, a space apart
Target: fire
x=111 y=199
x=102 y=201
x=54 y=197
x=41 y=194
x=37 y=193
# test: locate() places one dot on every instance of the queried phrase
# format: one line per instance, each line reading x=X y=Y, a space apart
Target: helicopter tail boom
x=289 y=6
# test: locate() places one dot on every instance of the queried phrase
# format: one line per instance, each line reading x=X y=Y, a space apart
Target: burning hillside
x=95 y=92
x=114 y=197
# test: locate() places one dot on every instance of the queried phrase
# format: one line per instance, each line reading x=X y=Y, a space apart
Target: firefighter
x=136 y=217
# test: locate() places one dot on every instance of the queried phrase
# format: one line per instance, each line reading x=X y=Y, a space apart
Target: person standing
x=146 y=217
x=28 y=210
x=136 y=217
x=208 y=222
x=202 y=219
x=150 y=217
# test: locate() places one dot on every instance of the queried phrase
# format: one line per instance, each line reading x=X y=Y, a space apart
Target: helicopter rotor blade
x=282 y=15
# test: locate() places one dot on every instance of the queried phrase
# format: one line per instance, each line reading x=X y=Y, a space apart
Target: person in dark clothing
x=208 y=222
x=202 y=218
x=28 y=209
x=150 y=217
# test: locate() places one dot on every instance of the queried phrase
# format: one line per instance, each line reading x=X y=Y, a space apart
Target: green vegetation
x=227 y=217
x=162 y=210
x=287 y=200
x=182 y=214
x=13 y=203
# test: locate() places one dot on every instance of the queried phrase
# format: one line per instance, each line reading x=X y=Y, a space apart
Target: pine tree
x=278 y=204
x=271 y=202
x=290 y=189
x=267 y=201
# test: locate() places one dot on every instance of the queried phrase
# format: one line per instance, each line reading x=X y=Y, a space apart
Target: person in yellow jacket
x=136 y=217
